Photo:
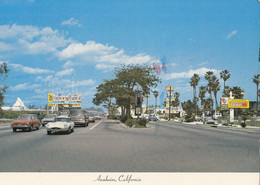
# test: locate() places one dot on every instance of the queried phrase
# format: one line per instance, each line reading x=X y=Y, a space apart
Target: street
x=107 y=146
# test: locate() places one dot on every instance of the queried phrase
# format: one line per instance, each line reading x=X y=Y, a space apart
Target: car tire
x=48 y=132
x=72 y=130
x=85 y=125
x=30 y=128
x=14 y=129
x=37 y=128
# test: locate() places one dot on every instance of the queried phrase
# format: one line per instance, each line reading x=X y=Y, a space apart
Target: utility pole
x=47 y=97
x=170 y=103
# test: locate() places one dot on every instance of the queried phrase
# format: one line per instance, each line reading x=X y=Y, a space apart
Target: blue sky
x=57 y=41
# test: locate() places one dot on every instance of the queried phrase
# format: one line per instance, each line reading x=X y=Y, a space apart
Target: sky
x=73 y=46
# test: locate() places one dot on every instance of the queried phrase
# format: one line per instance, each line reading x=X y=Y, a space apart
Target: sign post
x=231 y=110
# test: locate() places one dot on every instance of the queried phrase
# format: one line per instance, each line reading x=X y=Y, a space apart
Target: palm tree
x=225 y=75
x=208 y=77
x=202 y=94
x=194 y=81
x=256 y=80
x=155 y=93
x=215 y=88
x=176 y=102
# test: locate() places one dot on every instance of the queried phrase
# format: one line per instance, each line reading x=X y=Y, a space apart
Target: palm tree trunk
x=256 y=99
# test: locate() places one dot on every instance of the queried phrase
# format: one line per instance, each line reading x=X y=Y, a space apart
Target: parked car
x=79 y=117
x=216 y=115
x=152 y=118
x=26 y=122
x=48 y=118
x=60 y=124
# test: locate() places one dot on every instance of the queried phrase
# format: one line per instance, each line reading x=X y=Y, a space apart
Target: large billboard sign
x=167 y=88
x=238 y=103
x=69 y=98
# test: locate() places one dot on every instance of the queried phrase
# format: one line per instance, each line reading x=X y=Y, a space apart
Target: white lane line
x=5 y=127
x=95 y=125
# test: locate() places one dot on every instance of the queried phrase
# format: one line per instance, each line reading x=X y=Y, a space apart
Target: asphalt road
x=106 y=146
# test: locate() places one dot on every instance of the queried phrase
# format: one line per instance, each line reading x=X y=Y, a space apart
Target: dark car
x=152 y=118
x=78 y=116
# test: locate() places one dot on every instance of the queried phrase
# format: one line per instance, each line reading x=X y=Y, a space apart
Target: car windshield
x=76 y=112
x=50 y=116
x=63 y=113
x=62 y=119
x=24 y=117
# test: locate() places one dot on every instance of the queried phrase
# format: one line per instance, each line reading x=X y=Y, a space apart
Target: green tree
x=194 y=81
x=105 y=94
x=225 y=75
x=256 y=80
x=202 y=95
x=156 y=94
x=215 y=88
x=3 y=75
x=208 y=77
x=237 y=92
x=189 y=108
x=176 y=102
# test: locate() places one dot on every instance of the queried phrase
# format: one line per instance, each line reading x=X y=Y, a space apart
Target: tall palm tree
x=215 y=88
x=256 y=80
x=208 y=77
x=225 y=75
x=155 y=93
x=202 y=94
x=194 y=81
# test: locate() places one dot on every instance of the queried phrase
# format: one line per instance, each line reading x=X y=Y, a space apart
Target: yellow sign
x=238 y=103
x=167 y=88
x=64 y=105
x=50 y=97
x=169 y=99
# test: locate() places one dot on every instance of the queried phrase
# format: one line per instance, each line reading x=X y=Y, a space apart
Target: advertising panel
x=167 y=88
x=238 y=103
x=224 y=103
x=50 y=97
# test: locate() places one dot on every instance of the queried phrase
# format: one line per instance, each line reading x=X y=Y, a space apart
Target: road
x=106 y=146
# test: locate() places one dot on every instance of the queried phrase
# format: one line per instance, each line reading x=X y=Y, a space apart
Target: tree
x=155 y=93
x=176 y=102
x=194 y=81
x=256 y=80
x=202 y=95
x=3 y=75
x=208 y=77
x=225 y=75
x=122 y=88
x=105 y=94
x=237 y=92
x=215 y=88
x=189 y=108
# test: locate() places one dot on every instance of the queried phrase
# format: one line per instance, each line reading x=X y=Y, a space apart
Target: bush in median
x=137 y=123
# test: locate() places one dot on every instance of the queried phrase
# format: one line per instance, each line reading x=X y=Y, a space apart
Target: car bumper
x=21 y=126
x=79 y=122
x=57 y=129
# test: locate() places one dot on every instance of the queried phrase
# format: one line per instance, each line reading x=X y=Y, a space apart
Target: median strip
x=95 y=125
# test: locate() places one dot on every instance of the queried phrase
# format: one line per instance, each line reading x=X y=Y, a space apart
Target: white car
x=60 y=124
x=48 y=118
x=216 y=116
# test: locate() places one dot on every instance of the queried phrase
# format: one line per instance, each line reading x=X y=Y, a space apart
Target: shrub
x=123 y=118
x=138 y=123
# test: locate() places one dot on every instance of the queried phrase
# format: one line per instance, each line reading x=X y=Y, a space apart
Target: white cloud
x=44 y=79
x=65 y=72
x=30 y=70
x=85 y=82
x=230 y=34
x=72 y=22
x=25 y=86
x=32 y=40
x=68 y=64
x=201 y=72
x=203 y=63
x=105 y=67
x=5 y=47
x=99 y=53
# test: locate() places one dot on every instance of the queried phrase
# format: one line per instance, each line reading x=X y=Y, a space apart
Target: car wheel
x=30 y=128
x=68 y=131
x=85 y=125
x=37 y=128
x=14 y=129
x=48 y=132
x=72 y=130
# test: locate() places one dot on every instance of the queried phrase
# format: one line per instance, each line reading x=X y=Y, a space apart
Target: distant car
x=60 y=124
x=79 y=117
x=198 y=118
x=216 y=116
x=91 y=119
x=152 y=118
x=37 y=114
x=48 y=118
x=63 y=113
x=97 y=117
x=26 y=122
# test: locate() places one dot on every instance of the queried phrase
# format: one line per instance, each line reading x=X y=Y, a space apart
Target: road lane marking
x=5 y=127
x=95 y=125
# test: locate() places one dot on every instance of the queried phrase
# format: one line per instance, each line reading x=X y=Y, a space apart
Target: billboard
x=238 y=103
x=60 y=98
x=224 y=103
x=167 y=88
